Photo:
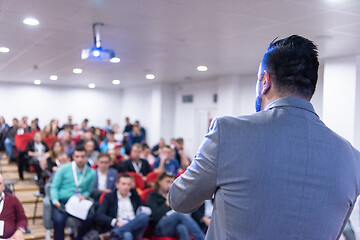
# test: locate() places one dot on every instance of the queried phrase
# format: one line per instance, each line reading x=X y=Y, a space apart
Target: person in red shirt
x=13 y=221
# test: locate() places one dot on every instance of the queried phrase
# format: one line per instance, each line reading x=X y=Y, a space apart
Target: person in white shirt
x=120 y=213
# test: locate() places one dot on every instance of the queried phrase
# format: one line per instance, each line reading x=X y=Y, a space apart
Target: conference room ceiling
x=168 y=38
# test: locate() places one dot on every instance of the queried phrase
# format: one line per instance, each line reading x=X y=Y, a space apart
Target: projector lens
x=96 y=53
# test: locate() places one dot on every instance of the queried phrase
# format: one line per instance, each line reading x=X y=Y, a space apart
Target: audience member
x=135 y=136
x=34 y=126
x=156 y=149
x=52 y=162
x=90 y=152
x=67 y=143
x=4 y=128
x=109 y=142
x=84 y=125
x=47 y=132
x=10 y=139
x=165 y=162
x=167 y=222
x=146 y=154
x=119 y=213
x=128 y=126
x=35 y=151
x=142 y=130
x=203 y=215
x=118 y=135
x=116 y=162
x=98 y=135
x=105 y=176
x=24 y=124
x=88 y=135
x=180 y=153
x=76 y=131
x=55 y=129
x=22 y=127
x=69 y=123
x=72 y=178
x=13 y=221
x=136 y=164
x=108 y=126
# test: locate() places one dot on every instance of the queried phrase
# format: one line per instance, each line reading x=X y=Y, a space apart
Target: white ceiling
x=169 y=38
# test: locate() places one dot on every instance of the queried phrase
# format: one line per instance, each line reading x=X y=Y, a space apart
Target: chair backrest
x=139 y=182
x=151 y=177
x=49 y=140
x=21 y=141
x=144 y=195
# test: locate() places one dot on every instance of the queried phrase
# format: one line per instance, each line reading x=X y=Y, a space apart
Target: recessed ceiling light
x=37 y=82
x=150 y=76
x=91 y=85
x=202 y=68
x=4 y=49
x=31 y=21
x=53 y=77
x=115 y=60
x=116 y=82
x=77 y=70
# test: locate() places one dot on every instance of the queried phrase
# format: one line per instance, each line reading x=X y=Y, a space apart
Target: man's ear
x=266 y=83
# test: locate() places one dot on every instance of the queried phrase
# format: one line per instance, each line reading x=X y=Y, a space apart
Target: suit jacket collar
x=292 y=102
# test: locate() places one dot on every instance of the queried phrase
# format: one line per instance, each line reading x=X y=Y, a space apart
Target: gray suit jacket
x=277 y=174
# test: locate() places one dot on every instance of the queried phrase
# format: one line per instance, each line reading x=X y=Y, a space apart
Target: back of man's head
x=293 y=63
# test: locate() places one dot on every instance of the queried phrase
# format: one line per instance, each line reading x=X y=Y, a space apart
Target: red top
x=13 y=216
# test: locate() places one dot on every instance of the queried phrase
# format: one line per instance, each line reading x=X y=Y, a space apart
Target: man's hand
x=107 y=190
x=57 y=204
x=18 y=235
x=120 y=224
x=206 y=220
x=82 y=197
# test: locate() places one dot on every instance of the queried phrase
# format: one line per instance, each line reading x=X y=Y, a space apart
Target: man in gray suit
x=279 y=173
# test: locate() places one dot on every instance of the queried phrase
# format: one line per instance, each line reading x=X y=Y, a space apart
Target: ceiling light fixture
x=31 y=21
x=115 y=60
x=150 y=76
x=4 y=49
x=91 y=85
x=116 y=82
x=202 y=68
x=53 y=77
x=77 y=70
x=37 y=82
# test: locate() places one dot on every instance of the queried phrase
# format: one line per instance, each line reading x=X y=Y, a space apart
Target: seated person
x=105 y=176
x=118 y=212
x=156 y=149
x=12 y=216
x=88 y=135
x=136 y=164
x=62 y=158
x=68 y=144
x=52 y=162
x=71 y=178
x=116 y=164
x=135 y=136
x=146 y=154
x=109 y=142
x=35 y=151
x=90 y=152
x=203 y=215
x=165 y=162
x=167 y=222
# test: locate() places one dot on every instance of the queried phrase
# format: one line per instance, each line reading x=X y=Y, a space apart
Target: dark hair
x=123 y=175
x=145 y=146
x=103 y=154
x=162 y=176
x=79 y=148
x=293 y=63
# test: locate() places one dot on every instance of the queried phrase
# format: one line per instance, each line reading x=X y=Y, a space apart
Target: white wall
x=47 y=103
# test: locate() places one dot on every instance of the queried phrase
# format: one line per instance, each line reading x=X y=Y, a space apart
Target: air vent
x=187 y=98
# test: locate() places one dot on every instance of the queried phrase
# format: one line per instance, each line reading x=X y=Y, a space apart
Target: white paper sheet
x=77 y=208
